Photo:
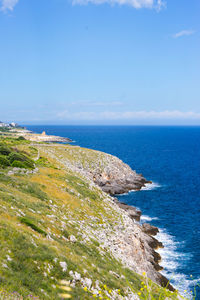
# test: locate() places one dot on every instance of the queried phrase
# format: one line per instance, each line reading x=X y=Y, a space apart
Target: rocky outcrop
x=118 y=178
x=133 y=212
x=111 y=174
x=149 y=229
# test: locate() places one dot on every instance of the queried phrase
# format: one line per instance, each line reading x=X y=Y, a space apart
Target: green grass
x=81 y=187
x=29 y=223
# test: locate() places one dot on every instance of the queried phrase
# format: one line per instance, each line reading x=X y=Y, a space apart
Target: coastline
x=154 y=244
x=111 y=182
x=117 y=231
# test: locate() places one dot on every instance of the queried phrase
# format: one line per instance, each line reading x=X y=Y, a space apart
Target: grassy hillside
x=48 y=215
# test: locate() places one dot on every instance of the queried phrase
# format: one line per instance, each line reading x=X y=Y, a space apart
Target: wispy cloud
x=157 y=4
x=97 y=103
x=8 y=5
x=129 y=115
x=183 y=33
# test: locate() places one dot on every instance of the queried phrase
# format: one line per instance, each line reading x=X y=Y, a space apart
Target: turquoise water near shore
x=170 y=157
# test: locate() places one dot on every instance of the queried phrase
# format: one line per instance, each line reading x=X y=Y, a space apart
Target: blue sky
x=100 y=61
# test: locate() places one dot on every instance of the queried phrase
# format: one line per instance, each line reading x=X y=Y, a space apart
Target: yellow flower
x=141 y=289
x=100 y=298
x=85 y=288
x=65 y=296
x=94 y=295
x=142 y=283
x=118 y=291
x=65 y=288
x=110 y=291
x=185 y=291
x=105 y=287
x=64 y=282
x=145 y=286
x=144 y=273
x=100 y=292
x=139 y=293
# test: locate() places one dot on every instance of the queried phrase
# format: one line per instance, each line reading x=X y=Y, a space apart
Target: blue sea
x=170 y=157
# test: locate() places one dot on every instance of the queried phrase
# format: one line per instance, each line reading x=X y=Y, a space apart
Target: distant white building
x=2 y=124
x=13 y=124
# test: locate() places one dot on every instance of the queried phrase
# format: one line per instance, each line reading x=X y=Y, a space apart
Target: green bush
x=21 y=138
x=20 y=160
x=29 y=164
x=16 y=156
x=4 y=162
x=4 y=150
x=19 y=164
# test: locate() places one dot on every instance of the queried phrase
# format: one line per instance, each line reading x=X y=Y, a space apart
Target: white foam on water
x=150 y=186
x=171 y=261
x=145 y=218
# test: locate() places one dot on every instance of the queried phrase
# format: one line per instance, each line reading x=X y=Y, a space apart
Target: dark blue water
x=170 y=157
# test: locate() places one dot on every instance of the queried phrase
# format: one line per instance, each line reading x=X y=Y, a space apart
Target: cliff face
x=105 y=170
x=133 y=244
x=56 y=224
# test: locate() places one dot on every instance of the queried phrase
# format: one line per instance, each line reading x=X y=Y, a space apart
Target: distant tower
x=43 y=133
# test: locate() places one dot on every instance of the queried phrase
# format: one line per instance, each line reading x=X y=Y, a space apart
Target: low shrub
x=21 y=138
x=20 y=160
x=16 y=156
x=4 y=150
x=29 y=223
x=4 y=162
x=19 y=164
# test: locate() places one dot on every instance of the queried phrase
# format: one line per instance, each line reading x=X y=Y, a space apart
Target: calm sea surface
x=170 y=157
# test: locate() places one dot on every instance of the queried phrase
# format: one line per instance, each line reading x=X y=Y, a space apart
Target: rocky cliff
x=132 y=243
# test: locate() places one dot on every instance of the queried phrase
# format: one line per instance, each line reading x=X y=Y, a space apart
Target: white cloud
x=8 y=4
x=183 y=33
x=157 y=4
x=97 y=103
x=129 y=115
x=160 y=4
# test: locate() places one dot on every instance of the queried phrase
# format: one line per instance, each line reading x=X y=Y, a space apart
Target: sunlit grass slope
x=46 y=222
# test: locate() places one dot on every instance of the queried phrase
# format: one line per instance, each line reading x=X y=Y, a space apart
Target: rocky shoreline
x=132 y=243
x=149 y=233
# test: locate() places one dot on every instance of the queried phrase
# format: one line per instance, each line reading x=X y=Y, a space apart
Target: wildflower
x=64 y=282
x=185 y=291
x=85 y=288
x=65 y=296
x=141 y=289
x=142 y=283
x=66 y=288
x=105 y=286
x=145 y=286
x=110 y=291
x=94 y=295
x=139 y=293
x=118 y=291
